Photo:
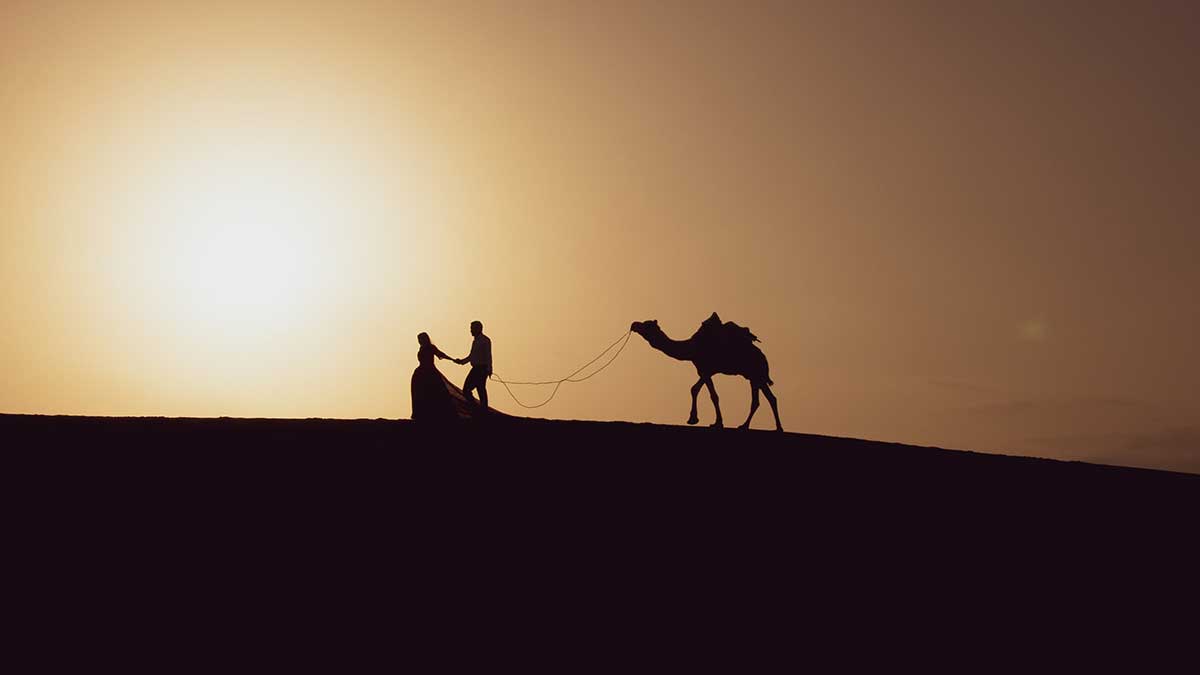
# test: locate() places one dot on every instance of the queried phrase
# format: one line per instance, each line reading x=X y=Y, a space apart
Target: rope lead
x=623 y=340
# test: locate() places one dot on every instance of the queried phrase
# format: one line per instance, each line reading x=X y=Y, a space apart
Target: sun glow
x=230 y=228
x=249 y=207
x=246 y=238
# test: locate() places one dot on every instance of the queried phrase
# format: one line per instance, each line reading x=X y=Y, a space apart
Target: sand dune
x=583 y=515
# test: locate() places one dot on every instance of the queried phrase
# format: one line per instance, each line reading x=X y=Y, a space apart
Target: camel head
x=646 y=328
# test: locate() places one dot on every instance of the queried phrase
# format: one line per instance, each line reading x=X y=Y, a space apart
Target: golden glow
x=245 y=233
x=247 y=217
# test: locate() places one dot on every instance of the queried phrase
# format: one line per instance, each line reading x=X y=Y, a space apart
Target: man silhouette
x=480 y=359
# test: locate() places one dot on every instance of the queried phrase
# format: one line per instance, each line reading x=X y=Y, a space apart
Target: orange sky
x=955 y=224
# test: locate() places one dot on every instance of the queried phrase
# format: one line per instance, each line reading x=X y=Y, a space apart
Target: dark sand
x=567 y=542
x=694 y=473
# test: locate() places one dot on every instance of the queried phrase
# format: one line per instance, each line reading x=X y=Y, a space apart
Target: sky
x=961 y=224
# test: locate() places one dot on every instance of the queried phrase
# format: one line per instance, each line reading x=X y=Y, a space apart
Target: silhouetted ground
x=594 y=465
x=624 y=523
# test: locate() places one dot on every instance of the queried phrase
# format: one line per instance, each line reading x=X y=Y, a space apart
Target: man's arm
x=473 y=357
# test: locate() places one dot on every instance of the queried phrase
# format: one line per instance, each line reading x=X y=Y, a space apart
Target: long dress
x=432 y=400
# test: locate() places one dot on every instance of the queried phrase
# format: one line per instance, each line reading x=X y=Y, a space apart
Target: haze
x=971 y=225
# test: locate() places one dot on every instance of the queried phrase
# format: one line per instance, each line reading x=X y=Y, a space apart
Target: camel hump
x=726 y=332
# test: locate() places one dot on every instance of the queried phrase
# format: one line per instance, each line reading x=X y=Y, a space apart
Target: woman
x=431 y=397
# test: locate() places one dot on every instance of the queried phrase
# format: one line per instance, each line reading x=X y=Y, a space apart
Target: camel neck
x=676 y=349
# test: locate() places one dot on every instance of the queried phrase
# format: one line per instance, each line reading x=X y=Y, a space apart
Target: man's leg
x=476 y=380
x=468 y=385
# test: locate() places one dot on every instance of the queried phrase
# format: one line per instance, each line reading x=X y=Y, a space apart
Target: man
x=480 y=359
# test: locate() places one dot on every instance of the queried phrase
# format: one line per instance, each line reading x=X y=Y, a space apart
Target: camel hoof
x=693 y=420
x=779 y=429
x=744 y=426
x=717 y=425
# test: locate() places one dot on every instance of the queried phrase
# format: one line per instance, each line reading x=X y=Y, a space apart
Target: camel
x=714 y=350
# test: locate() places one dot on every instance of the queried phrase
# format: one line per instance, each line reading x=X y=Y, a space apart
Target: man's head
x=423 y=338
x=476 y=328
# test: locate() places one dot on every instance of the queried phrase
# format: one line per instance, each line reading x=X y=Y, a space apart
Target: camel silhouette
x=717 y=348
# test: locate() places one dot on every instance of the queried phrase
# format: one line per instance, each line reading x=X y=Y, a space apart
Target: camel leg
x=766 y=389
x=753 y=405
x=693 y=418
x=712 y=392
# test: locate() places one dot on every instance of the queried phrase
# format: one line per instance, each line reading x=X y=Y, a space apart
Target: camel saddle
x=726 y=333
